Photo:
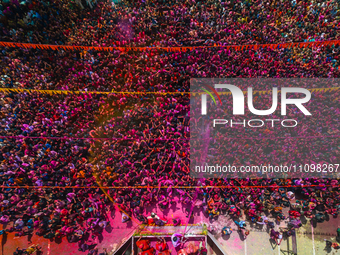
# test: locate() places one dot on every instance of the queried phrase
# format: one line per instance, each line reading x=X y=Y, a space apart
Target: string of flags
x=172 y=49
x=65 y=92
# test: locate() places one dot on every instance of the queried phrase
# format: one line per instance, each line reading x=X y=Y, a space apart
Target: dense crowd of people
x=158 y=22
x=90 y=140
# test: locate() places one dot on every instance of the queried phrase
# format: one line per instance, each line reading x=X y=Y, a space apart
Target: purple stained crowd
x=88 y=140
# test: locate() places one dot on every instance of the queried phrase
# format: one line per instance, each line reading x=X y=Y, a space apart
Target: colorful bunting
x=172 y=49
x=51 y=92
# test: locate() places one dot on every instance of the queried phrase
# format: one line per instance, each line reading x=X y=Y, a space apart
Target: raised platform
x=195 y=233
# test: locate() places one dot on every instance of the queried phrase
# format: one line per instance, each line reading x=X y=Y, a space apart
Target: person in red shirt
x=161 y=245
x=143 y=244
x=294 y=214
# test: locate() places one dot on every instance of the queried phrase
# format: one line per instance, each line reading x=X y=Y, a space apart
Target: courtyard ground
x=309 y=239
